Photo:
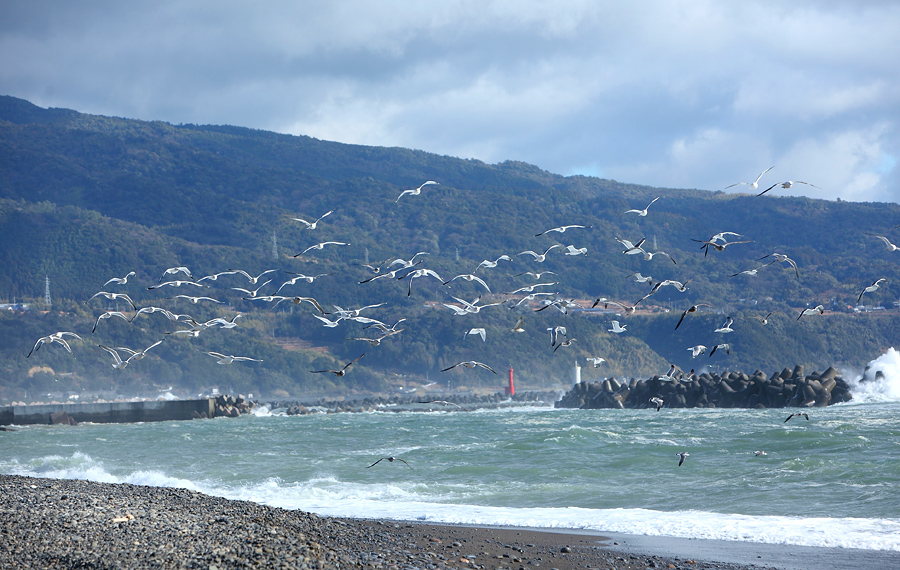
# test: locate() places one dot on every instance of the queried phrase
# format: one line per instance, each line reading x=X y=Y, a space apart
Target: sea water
x=832 y=480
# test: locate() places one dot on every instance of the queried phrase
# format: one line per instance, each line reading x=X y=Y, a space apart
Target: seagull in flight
x=530 y=288
x=410 y=262
x=572 y=250
x=539 y=257
x=300 y=277
x=648 y=255
x=797 y=414
x=641 y=279
x=536 y=276
x=215 y=276
x=616 y=327
x=518 y=326
x=251 y=294
x=643 y=212
x=327 y=323
x=469 y=364
x=754 y=271
x=753 y=185
x=223 y=322
x=561 y=229
x=253 y=280
x=759 y=453
x=887 y=242
x=491 y=264
x=763 y=320
x=390 y=460
x=120 y=280
x=596 y=360
x=137 y=354
x=715 y=245
x=420 y=273
x=55 y=337
x=658 y=401
x=390 y=274
x=115 y=297
x=724 y=346
x=109 y=314
x=631 y=248
x=320 y=246
x=726 y=327
x=785 y=185
x=312 y=225
x=176 y=270
x=555 y=332
x=229 y=358
x=477 y=331
x=176 y=283
x=691 y=309
x=414 y=191
x=469 y=277
x=817 y=309
x=870 y=288
x=342 y=371
x=683 y=455
x=567 y=342
x=697 y=350
x=195 y=300
x=782 y=258
x=118 y=363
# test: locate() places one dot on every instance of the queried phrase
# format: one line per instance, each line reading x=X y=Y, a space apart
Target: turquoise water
x=833 y=480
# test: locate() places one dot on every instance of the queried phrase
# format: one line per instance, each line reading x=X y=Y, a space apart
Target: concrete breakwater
x=447 y=402
x=124 y=412
x=788 y=388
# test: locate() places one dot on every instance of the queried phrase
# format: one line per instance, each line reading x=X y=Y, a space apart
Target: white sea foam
x=328 y=496
x=881 y=380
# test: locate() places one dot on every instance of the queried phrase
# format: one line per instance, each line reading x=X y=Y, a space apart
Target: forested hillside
x=85 y=198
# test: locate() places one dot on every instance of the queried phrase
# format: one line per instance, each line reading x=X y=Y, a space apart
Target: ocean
x=832 y=480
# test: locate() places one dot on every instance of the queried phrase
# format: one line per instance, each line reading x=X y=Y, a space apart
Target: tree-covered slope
x=85 y=198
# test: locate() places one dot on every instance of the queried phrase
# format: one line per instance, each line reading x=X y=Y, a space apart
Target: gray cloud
x=697 y=95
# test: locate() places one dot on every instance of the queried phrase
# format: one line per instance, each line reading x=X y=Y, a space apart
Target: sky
x=700 y=94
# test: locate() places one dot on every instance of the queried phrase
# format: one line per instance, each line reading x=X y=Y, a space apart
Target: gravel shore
x=50 y=523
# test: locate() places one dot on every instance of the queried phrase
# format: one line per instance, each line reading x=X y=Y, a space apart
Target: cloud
x=697 y=95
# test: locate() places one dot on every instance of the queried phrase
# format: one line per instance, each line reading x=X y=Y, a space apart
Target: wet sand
x=50 y=523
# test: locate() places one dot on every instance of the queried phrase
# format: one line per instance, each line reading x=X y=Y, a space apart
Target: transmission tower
x=47 y=291
x=274 y=246
x=367 y=255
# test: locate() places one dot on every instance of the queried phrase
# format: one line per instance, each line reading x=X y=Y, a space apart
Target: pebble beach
x=51 y=523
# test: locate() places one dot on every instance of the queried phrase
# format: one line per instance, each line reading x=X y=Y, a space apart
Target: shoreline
x=64 y=523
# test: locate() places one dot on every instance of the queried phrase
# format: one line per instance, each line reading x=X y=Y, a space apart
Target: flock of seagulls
x=180 y=277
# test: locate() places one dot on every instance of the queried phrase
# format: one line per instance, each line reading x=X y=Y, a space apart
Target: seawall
x=109 y=412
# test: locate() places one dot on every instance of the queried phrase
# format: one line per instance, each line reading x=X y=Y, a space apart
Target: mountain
x=85 y=198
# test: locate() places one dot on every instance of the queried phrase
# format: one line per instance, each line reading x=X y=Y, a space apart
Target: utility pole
x=274 y=246
x=367 y=255
x=47 y=291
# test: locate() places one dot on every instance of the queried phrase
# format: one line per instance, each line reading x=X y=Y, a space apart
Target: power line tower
x=47 y=300
x=367 y=255
x=274 y=246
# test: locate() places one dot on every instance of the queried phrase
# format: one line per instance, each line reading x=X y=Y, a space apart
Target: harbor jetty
x=125 y=412
x=787 y=388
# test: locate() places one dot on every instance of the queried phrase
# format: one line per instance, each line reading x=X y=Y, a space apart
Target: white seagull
x=479 y=331
x=518 y=326
x=176 y=283
x=887 y=242
x=312 y=225
x=572 y=250
x=469 y=364
x=300 y=277
x=120 y=280
x=753 y=185
x=785 y=185
x=320 y=246
x=697 y=350
x=560 y=229
x=641 y=212
x=683 y=455
x=870 y=288
x=490 y=264
x=539 y=257
x=657 y=401
x=55 y=337
x=251 y=294
x=414 y=191
x=726 y=327
x=470 y=277
x=115 y=297
x=118 y=363
x=724 y=346
x=595 y=360
x=648 y=256
x=229 y=358
x=253 y=280
x=195 y=300
x=420 y=273
x=782 y=258
x=174 y=270
x=555 y=332
x=109 y=314
x=137 y=354
x=616 y=327
x=820 y=309
x=536 y=276
x=631 y=248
